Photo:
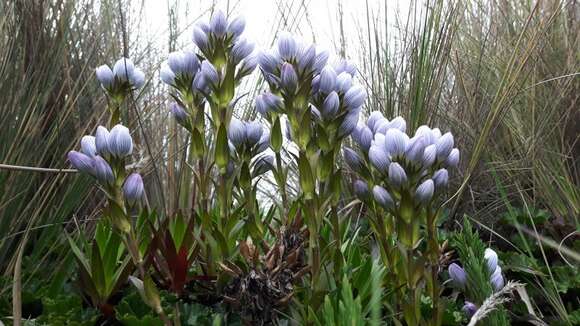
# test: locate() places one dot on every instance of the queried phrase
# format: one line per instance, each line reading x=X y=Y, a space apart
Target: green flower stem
x=281 y=180
x=433 y=255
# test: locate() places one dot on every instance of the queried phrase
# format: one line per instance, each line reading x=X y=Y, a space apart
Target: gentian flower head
x=133 y=188
x=247 y=137
x=122 y=79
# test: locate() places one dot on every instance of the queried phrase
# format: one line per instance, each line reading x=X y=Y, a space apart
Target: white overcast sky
x=262 y=17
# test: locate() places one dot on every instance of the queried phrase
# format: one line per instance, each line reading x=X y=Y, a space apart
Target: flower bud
x=175 y=61
x=105 y=76
x=496 y=279
x=179 y=113
x=237 y=132
x=289 y=79
x=396 y=142
x=327 y=80
x=398 y=123
x=82 y=162
x=355 y=97
x=330 y=106
x=379 y=158
x=88 y=146
x=240 y=50
x=352 y=159
x=440 y=178
x=469 y=309
x=374 y=117
x=321 y=59
x=427 y=134
x=364 y=137
x=457 y=275
x=344 y=66
x=103 y=171
x=424 y=192
x=307 y=59
x=133 y=188
x=343 y=82
x=120 y=141
x=268 y=62
x=361 y=190
x=429 y=156
x=348 y=124
x=415 y=149
x=218 y=23
x=123 y=69
x=453 y=159
x=287 y=46
x=381 y=126
x=167 y=75
x=236 y=26
x=210 y=73
x=491 y=259
x=383 y=197
x=200 y=39
x=102 y=140
x=248 y=65
x=444 y=146
x=397 y=175
x=253 y=132
x=137 y=79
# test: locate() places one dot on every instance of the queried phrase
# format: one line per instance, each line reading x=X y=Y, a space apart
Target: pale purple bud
x=175 y=62
x=497 y=281
x=491 y=259
x=398 y=123
x=203 y=25
x=453 y=159
x=179 y=113
x=441 y=179
x=374 y=117
x=415 y=150
x=355 y=97
x=120 y=141
x=267 y=102
x=123 y=69
x=320 y=61
x=429 y=155
x=264 y=142
x=82 y=162
x=199 y=83
x=167 y=75
x=346 y=66
x=190 y=62
x=361 y=190
x=268 y=62
x=424 y=192
x=137 y=79
x=105 y=76
x=287 y=46
x=330 y=105
x=210 y=73
x=343 y=82
x=289 y=79
x=218 y=23
x=348 y=124
x=241 y=49
x=102 y=140
x=444 y=146
x=103 y=171
x=88 y=146
x=379 y=158
x=253 y=132
x=469 y=309
x=200 y=39
x=133 y=188
x=236 y=26
x=457 y=275
x=327 y=80
x=383 y=197
x=352 y=159
x=381 y=126
x=237 y=132
x=426 y=133
x=307 y=58
x=396 y=142
x=397 y=175
x=248 y=65
x=364 y=138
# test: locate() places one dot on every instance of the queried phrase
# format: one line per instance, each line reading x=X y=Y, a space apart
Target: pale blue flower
x=424 y=192
x=88 y=146
x=120 y=141
x=457 y=275
x=133 y=188
x=103 y=171
x=383 y=198
x=82 y=162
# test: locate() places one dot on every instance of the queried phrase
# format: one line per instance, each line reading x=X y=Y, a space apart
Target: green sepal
x=276 y=136
x=222 y=150
x=306 y=176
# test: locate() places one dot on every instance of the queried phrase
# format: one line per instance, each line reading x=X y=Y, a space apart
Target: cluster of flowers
x=460 y=278
x=296 y=70
x=103 y=157
x=419 y=163
x=247 y=137
x=122 y=78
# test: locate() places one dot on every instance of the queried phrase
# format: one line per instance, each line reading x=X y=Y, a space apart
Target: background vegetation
x=504 y=76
